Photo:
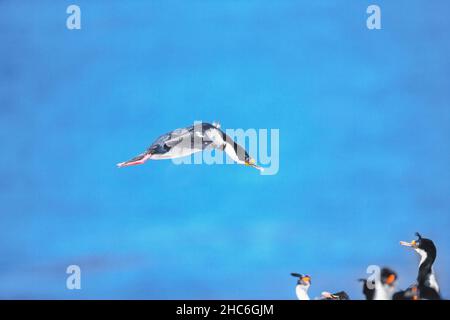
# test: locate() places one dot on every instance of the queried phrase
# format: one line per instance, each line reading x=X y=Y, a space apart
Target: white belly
x=176 y=152
x=383 y=292
x=433 y=282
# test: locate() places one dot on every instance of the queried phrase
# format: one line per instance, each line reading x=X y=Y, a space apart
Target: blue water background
x=364 y=120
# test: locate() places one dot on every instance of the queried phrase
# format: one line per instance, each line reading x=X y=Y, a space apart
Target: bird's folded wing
x=187 y=138
x=173 y=138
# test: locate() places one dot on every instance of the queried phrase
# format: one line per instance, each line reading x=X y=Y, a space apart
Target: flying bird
x=196 y=138
x=427 y=285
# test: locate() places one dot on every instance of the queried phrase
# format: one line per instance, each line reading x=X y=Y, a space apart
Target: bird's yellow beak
x=307 y=279
x=252 y=163
x=412 y=244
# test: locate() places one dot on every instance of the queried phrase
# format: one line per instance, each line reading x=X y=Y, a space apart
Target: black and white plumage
x=302 y=287
x=427 y=285
x=186 y=141
x=382 y=287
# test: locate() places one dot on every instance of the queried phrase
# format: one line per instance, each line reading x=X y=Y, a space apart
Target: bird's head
x=420 y=243
x=424 y=247
x=388 y=277
x=303 y=280
x=249 y=161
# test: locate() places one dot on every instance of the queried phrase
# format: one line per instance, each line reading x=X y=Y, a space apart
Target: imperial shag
x=196 y=138
x=426 y=280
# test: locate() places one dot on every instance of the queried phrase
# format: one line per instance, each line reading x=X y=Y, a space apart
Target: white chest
x=433 y=283
x=383 y=292
x=302 y=293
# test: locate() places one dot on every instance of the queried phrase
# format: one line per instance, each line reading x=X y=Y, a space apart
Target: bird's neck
x=302 y=292
x=425 y=269
x=426 y=275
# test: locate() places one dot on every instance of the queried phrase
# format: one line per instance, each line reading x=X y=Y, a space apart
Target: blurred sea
x=364 y=120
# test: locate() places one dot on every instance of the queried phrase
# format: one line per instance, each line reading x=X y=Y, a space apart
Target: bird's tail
x=140 y=159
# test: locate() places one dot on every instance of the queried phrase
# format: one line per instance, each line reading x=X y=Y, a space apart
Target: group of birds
x=383 y=285
x=196 y=138
x=187 y=141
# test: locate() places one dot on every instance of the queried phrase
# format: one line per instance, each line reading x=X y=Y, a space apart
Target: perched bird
x=341 y=295
x=412 y=293
x=196 y=138
x=382 y=286
x=303 y=284
x=427 y=285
